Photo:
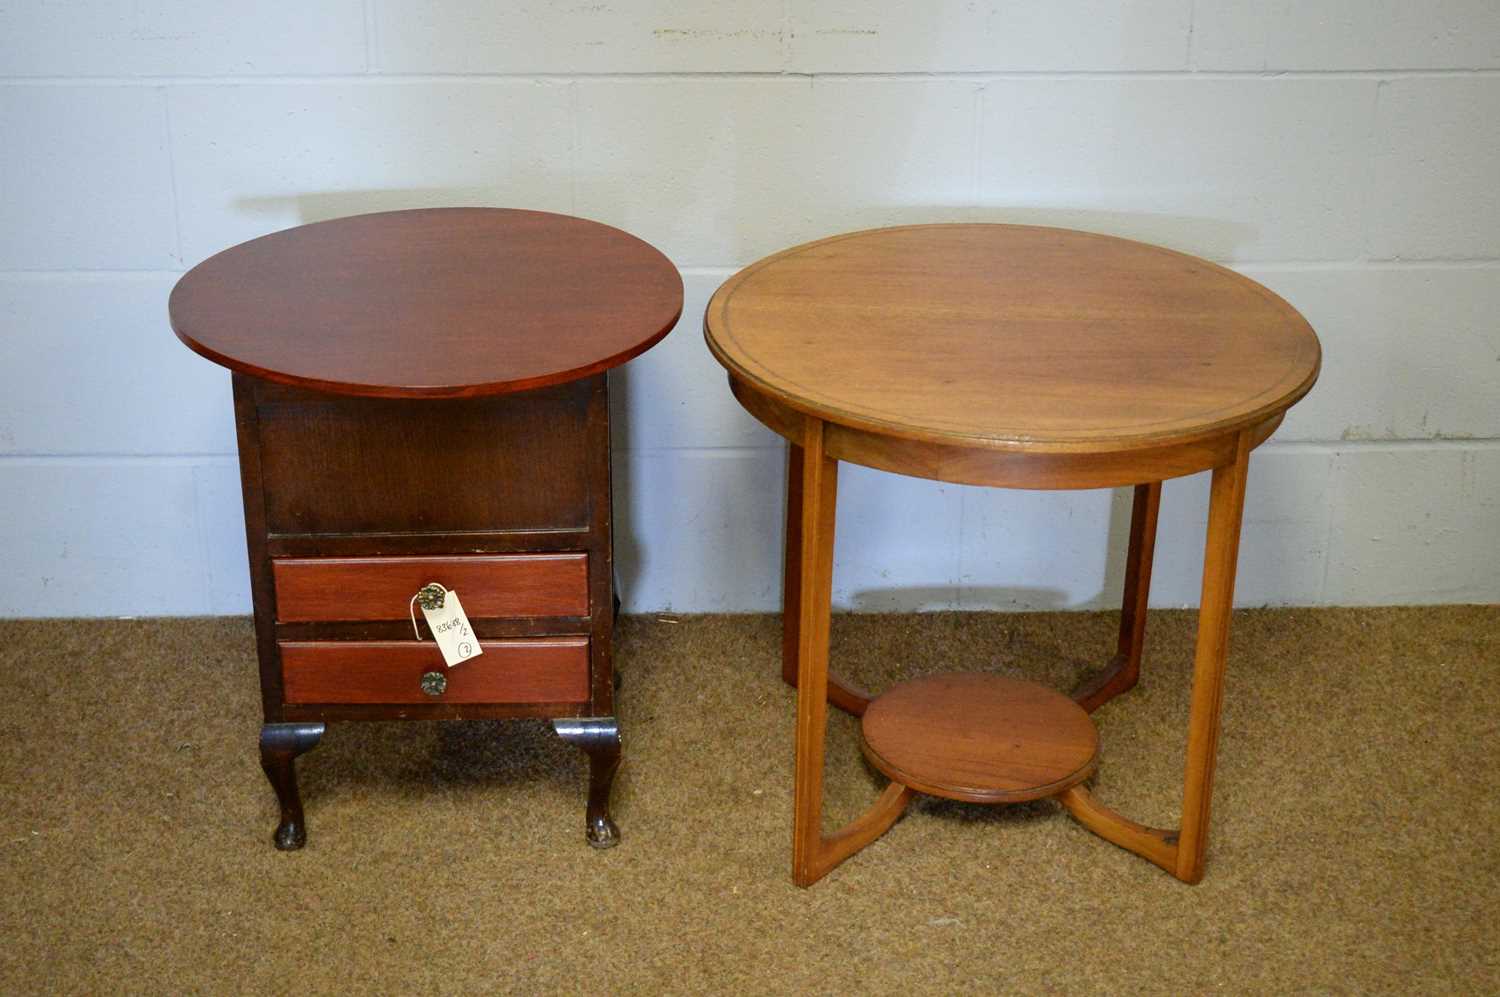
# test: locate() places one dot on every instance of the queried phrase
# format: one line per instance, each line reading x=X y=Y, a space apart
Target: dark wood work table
x=421 y=397
x=1015 y=357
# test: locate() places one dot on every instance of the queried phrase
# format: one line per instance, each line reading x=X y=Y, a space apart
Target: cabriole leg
x=599 y=738
x=280 y=744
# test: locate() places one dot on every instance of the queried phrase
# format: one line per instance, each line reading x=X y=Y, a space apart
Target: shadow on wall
x=324 y=206
x=1005 y=598
x=1211 y=238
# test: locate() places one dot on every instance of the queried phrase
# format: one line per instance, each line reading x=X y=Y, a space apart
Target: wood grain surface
x=980 y=737
x=1012 y=337
x=310 y=589
x=541 y=670
x=442 y=302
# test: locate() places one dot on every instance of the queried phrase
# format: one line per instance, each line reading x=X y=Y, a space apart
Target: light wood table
x=1016 y=357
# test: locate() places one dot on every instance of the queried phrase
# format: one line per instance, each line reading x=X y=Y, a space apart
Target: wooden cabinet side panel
x=262 y=588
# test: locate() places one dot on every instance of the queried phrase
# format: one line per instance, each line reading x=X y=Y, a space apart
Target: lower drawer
x=534 y=670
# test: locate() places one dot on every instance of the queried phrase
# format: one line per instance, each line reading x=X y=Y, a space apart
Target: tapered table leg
x=813 y=853
x=847 y=697
x=1124 y=669
x=1220 y=557
x=1181 y=852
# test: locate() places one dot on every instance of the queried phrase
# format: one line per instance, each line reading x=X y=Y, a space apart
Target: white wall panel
x=85 y=180
x=897 y=542
x=100 y=538
x=253 y=159
x=221 y=536
x=1408 y=352
x=699 y=531
x=93 y=368
x=477 y=36
x=1346 y=34
x=1415 y=525
x=863 y=36
x=721 y=172
x=676 y=394
x=1041 y=550
x=1433 y=189
x=1232 y=169
x=175 y=37
x=1284 y=535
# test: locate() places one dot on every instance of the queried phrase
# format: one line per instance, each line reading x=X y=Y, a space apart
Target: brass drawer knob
x=431 y=595
x=434 y=683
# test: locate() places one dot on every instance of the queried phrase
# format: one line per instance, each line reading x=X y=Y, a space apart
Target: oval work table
x=1014 y=357
x=421 y=397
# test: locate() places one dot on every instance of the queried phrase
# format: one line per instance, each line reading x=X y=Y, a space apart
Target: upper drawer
x=316 y=589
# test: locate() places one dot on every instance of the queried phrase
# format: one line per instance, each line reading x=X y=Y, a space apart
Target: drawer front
x=538 y=670
x=325 y=589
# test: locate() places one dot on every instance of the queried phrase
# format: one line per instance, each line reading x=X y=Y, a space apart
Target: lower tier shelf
x=980 y=737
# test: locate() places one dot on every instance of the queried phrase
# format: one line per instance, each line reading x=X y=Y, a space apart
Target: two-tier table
x=421 y=399
x=1018 y=357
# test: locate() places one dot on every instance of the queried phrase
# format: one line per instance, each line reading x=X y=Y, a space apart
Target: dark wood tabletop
x=433 y=303
x=1012 y=337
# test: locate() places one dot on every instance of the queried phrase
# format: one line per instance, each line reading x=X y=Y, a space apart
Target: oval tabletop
x=1012 y=337
x=431 y=303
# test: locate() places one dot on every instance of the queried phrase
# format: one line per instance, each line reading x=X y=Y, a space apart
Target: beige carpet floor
x=1354 y=845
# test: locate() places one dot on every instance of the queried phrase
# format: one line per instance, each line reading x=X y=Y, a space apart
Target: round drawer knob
x=434 y=683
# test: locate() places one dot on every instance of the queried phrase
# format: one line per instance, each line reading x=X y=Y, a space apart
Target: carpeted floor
x=1354 y=845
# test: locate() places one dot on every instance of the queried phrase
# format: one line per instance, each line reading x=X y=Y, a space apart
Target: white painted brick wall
x=1343 y=152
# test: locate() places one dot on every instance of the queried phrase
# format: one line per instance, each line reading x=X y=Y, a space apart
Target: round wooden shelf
x=432 y=303
x=981 y=738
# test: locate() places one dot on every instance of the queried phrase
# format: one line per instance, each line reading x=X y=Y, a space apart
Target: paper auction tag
x=449 y=626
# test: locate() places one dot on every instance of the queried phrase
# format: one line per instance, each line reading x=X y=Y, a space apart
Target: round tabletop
x=1012 y=338
x=444 y=302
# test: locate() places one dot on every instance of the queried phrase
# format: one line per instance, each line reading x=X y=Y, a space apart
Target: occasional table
x=1017 y=357
x=422 y=405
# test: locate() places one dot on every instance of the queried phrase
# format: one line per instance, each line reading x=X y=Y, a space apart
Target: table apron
x=979 y=465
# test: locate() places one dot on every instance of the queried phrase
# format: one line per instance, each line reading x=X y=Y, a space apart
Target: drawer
x=536 y=670
x=315 y=589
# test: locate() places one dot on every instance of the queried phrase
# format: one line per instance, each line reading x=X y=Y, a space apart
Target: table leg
x=813 y=854
x=280 y=744
x=599 y=739
x=1226 y=507
x=1124 y=669
x=849 y=698
x=1181 y=852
